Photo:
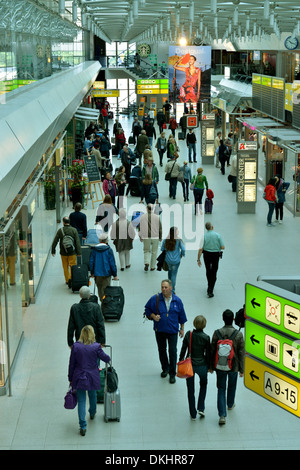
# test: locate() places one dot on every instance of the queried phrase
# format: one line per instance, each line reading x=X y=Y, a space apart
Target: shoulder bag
x=168 y=175
x=185 y=368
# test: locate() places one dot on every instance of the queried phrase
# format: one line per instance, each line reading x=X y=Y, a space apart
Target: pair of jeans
x=192 y=148
x=226 y=392
x=168 y=364
x=211 y=261
x=201 y=371
x=172 y=274
x=81 y=401
x=172 y=187
x=271 y=210
x=185 y=189
x=198 y=195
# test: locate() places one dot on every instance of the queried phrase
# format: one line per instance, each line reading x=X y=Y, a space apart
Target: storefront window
x=291 y=176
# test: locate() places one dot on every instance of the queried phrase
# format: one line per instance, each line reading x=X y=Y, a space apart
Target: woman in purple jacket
x=84 y=372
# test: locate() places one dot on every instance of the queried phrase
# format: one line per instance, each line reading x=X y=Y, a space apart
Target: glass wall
x=292 y=173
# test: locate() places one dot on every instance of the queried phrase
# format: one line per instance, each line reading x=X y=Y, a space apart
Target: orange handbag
x=185 y=368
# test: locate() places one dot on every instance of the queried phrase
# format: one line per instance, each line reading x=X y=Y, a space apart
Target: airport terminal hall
x=149 y=227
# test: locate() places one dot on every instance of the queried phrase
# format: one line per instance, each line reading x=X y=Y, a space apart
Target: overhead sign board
x=272 y=310
x=272 y=385
x=268 y=346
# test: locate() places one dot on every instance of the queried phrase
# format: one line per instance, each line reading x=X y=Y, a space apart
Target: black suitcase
x=113 y=303
x=131 y=139
x=79 y=276
x=208 y=206
x=180 y=135
x=86 y=253
x=114 y=150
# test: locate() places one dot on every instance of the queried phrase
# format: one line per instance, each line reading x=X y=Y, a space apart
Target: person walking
x=201 y=363
x=141 y=143
x=168 y=315
x=223 y=154
x=103 y=265
x=175 y=250
x=161 y=120
x=216 y=146
x=270 y=197
x=123 y=233
x=227 y=379
x=69 y=247
x=161 y=146
x=281 y=188
x=86 y=312
x=172 y=169
x=187 y=178
x=199 y=181
x=233 y=173
x=150 y=233
x=211 y=249
x=78 y=221
x=120 y=179
x=83 y=373
x=191 y=144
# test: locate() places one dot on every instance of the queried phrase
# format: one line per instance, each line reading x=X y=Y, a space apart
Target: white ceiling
x=127 y=20
x=159 y=20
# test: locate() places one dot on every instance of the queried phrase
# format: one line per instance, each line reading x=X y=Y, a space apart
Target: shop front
x=26 y=237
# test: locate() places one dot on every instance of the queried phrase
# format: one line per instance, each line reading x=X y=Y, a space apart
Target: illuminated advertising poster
x=189 y=74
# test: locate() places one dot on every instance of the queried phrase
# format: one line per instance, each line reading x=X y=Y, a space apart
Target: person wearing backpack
x=227 y=355
x=69 y=244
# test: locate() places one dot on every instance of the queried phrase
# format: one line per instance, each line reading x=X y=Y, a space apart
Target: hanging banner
x=189 y=74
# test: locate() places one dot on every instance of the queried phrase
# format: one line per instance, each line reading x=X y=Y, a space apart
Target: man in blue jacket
x=103 y=265
x=167 y=312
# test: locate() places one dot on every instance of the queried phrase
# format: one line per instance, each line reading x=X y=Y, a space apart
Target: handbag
x=70 y=399
x=185 y=368
x=164 y=126
x=168 y=175
x=180 y=177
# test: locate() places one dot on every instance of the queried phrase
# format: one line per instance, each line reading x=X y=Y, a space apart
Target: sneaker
x=222 y=420
x=172 y=379
x=270 y=225
x=201 y=413
x=280 y=222
x=193 y=419
x=146 y=267
x=82 y=432
x=231 y=407
x=164 y=374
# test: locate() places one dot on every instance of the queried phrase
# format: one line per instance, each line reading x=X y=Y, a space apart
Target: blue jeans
x=271 y=210
x=192 y=147
x=201 y=371
x=81 y=399
x=222 y=400
x=172 y=273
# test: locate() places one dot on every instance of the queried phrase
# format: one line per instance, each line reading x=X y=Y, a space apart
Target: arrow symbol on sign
x=254 y=303
x=254 y=340
x=253 y=376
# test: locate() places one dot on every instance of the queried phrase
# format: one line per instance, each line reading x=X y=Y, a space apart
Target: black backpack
x=240 y=318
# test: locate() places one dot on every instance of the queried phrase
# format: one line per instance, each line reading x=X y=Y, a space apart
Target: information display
x=91 y=168
x=247 y=176
x=272 y=385
x=273 y=311
x=268 y=346
x=272 y=344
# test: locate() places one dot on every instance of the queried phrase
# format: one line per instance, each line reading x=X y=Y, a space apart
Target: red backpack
x=225 y=352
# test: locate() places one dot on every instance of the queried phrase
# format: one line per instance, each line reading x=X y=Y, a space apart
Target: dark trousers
x=211 y=261
x=271 y=210
x=201 y=371
x=172 y=187
x=198 y=195
x=279 y=210
x=163 y=340
x=185 y=189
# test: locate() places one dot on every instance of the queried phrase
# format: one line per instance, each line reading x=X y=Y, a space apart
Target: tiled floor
x=154 y=413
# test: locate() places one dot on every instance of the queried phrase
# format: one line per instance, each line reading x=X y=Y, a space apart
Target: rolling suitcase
x=181 y=136
x=112 y=397
x=100 y=393
x=113 y=302
x=208 y=206
x=79 y=276
x=131 y=140
x=86 y=253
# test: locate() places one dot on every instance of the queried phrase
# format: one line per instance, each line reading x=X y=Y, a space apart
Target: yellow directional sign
x=272 y=385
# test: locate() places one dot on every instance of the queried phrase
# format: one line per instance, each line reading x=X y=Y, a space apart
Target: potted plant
x=49 y=189
x=78 y=183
